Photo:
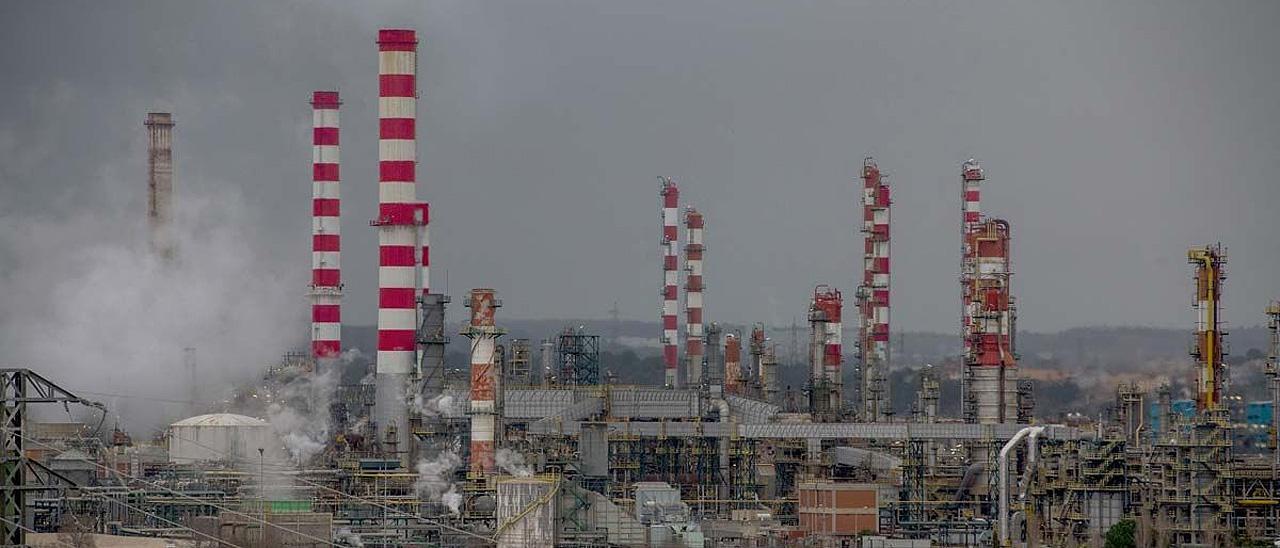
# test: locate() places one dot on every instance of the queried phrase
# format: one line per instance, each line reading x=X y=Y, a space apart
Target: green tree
x=1121 y=535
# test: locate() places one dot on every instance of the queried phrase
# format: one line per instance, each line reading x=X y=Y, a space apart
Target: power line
x=233 y=458
x=32 y=530
x=143 y=512
x=184 y=495
x=146 y=398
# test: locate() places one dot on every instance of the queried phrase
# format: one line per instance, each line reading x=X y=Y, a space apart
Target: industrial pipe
x=723 y=407
x=1034 y=432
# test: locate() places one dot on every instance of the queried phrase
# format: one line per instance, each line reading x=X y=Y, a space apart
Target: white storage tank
x=221 y=437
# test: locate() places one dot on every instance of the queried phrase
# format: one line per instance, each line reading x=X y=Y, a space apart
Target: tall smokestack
x=694 y=335
x=401 y=222
x=326 y=268
x=873 y=295
x=670 y=277
x=160 y=183
x=484 y=382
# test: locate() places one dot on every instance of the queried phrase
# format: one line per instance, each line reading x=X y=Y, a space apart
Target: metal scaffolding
x=578 y=358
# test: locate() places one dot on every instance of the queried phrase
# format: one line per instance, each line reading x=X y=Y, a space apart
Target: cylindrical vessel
x=732 y=364
x=326 y=266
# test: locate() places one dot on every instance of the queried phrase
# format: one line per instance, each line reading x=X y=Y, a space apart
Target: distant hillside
x=1077 y=369
x=1107 y=348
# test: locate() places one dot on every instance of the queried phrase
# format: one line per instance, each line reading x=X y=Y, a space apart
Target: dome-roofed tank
x=221 y=437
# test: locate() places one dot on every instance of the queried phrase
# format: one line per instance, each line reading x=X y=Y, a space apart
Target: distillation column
x=763 y=364
x=401 y=223
x=160 y=183
x=825 y=353
x=1208 y=351
x=1273 y=375
x=484 y=380
x=971 y=176
x=326 y=268
x=991 y=360
x=873 y=295
x=732 y=364
x=713 y=370
x=991 y=369
x=670 y=278
x=694 y=335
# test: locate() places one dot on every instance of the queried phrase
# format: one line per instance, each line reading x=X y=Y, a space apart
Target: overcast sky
x=1114 y=136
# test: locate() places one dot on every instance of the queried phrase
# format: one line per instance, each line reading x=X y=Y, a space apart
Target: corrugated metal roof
x=221 y=419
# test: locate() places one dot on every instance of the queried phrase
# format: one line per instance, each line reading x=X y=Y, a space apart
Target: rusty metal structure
x=483 y=333
x=1208 y=350
x=733 y=378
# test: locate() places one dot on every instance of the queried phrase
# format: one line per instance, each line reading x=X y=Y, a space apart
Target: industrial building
x=554 y=454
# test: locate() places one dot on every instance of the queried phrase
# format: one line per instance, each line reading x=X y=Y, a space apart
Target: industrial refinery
x=532 y=440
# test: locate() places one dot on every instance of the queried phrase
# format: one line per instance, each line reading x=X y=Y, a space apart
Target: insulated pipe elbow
x=1003 y=472
x=1033 y=453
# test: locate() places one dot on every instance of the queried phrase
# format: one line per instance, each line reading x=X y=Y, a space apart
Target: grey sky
x=1114 y=135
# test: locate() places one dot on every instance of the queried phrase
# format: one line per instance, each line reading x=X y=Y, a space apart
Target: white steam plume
x=435 y=479
x=86 y=303
x=300 y=414
x=513 y=463
x=444 y=404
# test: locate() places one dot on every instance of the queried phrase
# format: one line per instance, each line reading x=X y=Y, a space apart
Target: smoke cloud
x=86 y=303
x=300 y=414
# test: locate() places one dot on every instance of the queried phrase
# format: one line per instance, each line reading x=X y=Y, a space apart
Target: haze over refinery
x=643 y=273
x=1113 y=141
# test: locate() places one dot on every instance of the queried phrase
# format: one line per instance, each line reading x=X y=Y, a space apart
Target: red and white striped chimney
x=401 y=218
x=484 y=334
x=670 y=278
x=694 y=335
x=402 y=235
x=326 y=268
